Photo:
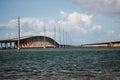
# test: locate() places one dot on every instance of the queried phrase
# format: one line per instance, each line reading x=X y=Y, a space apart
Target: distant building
x=29 y=42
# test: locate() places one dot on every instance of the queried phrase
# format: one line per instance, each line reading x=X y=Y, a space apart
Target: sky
x=83 y=21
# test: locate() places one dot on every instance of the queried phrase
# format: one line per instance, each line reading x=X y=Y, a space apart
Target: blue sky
x=86 y=21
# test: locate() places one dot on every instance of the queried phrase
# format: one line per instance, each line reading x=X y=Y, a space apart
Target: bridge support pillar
x=5 y=44
x=10 y=44
x=0 y=45
x=13 y=44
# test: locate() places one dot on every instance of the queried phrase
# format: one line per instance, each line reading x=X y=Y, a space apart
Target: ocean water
x=60 y=64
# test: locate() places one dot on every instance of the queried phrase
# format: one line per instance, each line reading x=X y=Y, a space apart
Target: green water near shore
x=60 y=63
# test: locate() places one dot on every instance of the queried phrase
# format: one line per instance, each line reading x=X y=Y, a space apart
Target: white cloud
x=63 y=14
x=76 y=22
x=29 y=26
x=75 y=18
x=33 y=23
x=96 y=28
x=10 y=24
x=106 y=6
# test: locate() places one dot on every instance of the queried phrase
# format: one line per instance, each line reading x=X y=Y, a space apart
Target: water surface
x=60 y=64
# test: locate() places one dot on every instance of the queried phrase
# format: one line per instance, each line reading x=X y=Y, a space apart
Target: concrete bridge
x=29 y=42
x=104 y=44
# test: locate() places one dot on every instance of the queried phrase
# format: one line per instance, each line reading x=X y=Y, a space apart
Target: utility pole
x=59 y=37
x=54 y=36
x=66 y=38
x=18 y=33
x=63 y=38
x=44 y=38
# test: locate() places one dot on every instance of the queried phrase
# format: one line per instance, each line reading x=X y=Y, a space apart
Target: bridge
x=29 y=42
x=104 y=44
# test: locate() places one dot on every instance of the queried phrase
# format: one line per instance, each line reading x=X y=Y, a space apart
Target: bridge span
x=104 y=44
x=29 y=42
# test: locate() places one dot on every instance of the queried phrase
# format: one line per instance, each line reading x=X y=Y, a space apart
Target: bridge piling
x=0 y=45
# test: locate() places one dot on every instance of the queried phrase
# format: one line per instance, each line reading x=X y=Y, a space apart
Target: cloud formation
x=79 y=25
x=104 y=6
x=76 y=21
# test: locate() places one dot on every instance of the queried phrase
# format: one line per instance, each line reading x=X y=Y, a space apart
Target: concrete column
x=13 y=44
x=5 y=44
x=23 y=44
x=10 y=44
x=0 y=45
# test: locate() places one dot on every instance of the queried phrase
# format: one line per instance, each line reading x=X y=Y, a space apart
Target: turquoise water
x=60 y=64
